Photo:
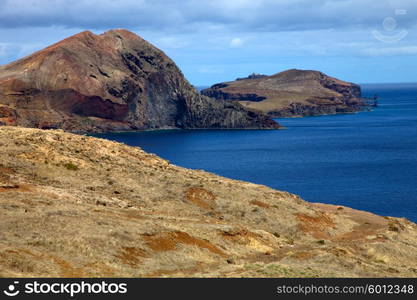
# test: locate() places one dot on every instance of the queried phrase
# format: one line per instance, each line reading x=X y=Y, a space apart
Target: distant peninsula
x=115 y=81
x=292 y=93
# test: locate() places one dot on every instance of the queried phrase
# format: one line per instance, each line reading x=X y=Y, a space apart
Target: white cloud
x=213 y=40
x=390 y=51
x=189 y=15
x=236 y=43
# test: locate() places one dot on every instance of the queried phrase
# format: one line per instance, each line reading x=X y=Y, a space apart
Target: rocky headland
x=292 y=93
x=115 y=81
x=77 y=206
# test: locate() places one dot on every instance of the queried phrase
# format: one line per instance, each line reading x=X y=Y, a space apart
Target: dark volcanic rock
x=112 y=81
x=218 y=93
x=253 y=76
x=292 y=93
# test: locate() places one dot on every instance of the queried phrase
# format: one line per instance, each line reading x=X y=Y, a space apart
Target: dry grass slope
x=76 y=206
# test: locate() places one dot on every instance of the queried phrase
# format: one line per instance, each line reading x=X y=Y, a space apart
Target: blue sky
x=363 y=41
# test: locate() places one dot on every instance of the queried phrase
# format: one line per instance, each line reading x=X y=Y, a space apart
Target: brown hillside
x=76 y=206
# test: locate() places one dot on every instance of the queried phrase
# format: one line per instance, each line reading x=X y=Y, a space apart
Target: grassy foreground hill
x=77 y=206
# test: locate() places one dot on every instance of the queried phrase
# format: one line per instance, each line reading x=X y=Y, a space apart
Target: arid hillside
x=75 y=206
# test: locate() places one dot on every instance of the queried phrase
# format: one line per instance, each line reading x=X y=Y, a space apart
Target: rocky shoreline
x=301 y=110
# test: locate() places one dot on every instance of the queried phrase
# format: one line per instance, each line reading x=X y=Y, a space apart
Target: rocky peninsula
x=292 y=93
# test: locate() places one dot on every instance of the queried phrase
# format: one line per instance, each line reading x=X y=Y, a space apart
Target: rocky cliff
x=76 y=206
x=112 y=81
x=292 y=93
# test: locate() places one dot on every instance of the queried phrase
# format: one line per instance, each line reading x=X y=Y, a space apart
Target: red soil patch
x=22 y=260
x=242 y=237
x=67 y=270
x=7 y=116
x=303 y=255
x=134 y=215
x=360 y=234
x=368 y=224
x=169 y=241
x=5 y=174
x=201 y=197
x=260 y=203
x=131 y=255
x=317 y=226
x=358 y=216
x=6 y=170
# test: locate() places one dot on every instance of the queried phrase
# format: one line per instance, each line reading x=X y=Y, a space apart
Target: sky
x=362 y=41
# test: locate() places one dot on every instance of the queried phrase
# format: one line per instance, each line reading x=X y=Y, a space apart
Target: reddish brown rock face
x=7 y=116
x=112 y=81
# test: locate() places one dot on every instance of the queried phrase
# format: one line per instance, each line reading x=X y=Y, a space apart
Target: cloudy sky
x=363 y=41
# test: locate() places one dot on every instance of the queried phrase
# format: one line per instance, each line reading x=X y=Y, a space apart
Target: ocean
x=365 y=160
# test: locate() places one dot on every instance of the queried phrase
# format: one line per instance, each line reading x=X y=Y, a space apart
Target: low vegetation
x=76 y=206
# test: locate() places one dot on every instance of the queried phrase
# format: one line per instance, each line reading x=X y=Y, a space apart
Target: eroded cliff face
x=112 y=81
x=292 y=93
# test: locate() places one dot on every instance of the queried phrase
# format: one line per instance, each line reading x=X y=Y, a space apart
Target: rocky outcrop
x=77 y=206
x=112 y=81
x=292 y=93
x=216 y=92
x=317 y=107
x=252 y=76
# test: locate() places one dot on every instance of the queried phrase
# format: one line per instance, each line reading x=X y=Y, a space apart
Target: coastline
x=325 y=114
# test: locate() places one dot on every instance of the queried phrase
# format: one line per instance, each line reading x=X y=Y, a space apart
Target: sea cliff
x=115 y=81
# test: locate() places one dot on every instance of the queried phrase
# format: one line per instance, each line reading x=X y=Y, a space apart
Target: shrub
x=71 y=166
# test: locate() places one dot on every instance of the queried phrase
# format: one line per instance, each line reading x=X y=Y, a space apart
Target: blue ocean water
x=366 y=160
